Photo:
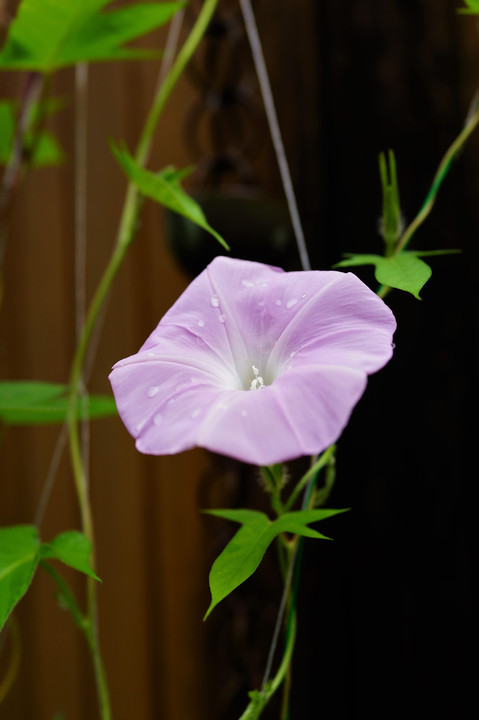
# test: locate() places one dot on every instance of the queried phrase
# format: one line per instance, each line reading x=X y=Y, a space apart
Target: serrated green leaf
x=73 y=549
x=49 y=34
x=164 y=187
x=38 y=403
x=18 y=561
x=244 y=552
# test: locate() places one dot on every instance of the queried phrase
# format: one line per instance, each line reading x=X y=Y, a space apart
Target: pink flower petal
x=306 y=340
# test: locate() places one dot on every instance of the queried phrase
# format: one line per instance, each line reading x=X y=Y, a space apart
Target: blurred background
x=387 y=612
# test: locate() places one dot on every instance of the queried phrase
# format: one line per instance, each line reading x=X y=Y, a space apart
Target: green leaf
x=49 y=34
x=473 y=7
x=38 y=403
x=73 y=549
x=47 y=150
x=164 y=187
x=244 y=552
x=7 y=130
x=404 y=271
x=18 y=561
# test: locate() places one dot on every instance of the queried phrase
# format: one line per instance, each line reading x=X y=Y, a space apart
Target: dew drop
x=278 y=302
x=157 y=419
x=201 y=323
x=303 y=295
x=154 y=390
x=171 y=401
x=195 y=413
x=291 y=303
x=292 y=354
x=215 y=301
x=221 y=318
x=244 y=413
x=140 y=426
x=151 y=354
x=247 y=283
x=261 y=303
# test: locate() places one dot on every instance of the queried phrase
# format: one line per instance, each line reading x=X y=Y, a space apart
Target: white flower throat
x=257 y=383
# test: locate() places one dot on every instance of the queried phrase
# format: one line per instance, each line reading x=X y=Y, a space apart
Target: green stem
x=125 y=237
x=307 y=477
x=259 y=700
x=88 y=626
x=290 y=553
x=273 y=486
x=67 y=597
x=441 y=172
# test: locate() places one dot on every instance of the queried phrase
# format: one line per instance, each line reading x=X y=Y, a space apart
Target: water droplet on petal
x=140 y=426
x=247 y=283
x=244 y=413
x=215 y=301
x=157 y=419
x=292 y=354
x=303 y=295
x=278 y=302
x=151 y=354
x=195 y=413
x=221 y=318
x=201 y=323
x=291 y=303
x=154 y=390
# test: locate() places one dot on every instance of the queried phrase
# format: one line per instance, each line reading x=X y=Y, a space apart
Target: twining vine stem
x=471 y=123
x=125 y=236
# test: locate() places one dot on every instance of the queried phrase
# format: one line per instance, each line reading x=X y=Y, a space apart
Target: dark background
x=387 y=612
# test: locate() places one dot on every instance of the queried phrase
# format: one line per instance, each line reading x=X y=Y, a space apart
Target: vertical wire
x=262 y=73
x=270 y=109
x=81 y=183
x=80 y=243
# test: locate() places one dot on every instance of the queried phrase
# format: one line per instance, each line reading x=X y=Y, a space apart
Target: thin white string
x=262 y=73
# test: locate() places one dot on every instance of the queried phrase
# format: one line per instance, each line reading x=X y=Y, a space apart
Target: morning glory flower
x=254 y=363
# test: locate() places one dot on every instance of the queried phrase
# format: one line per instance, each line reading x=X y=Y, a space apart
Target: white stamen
x=257 y=383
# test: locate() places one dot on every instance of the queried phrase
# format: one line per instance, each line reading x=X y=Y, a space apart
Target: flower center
x=257 y=383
